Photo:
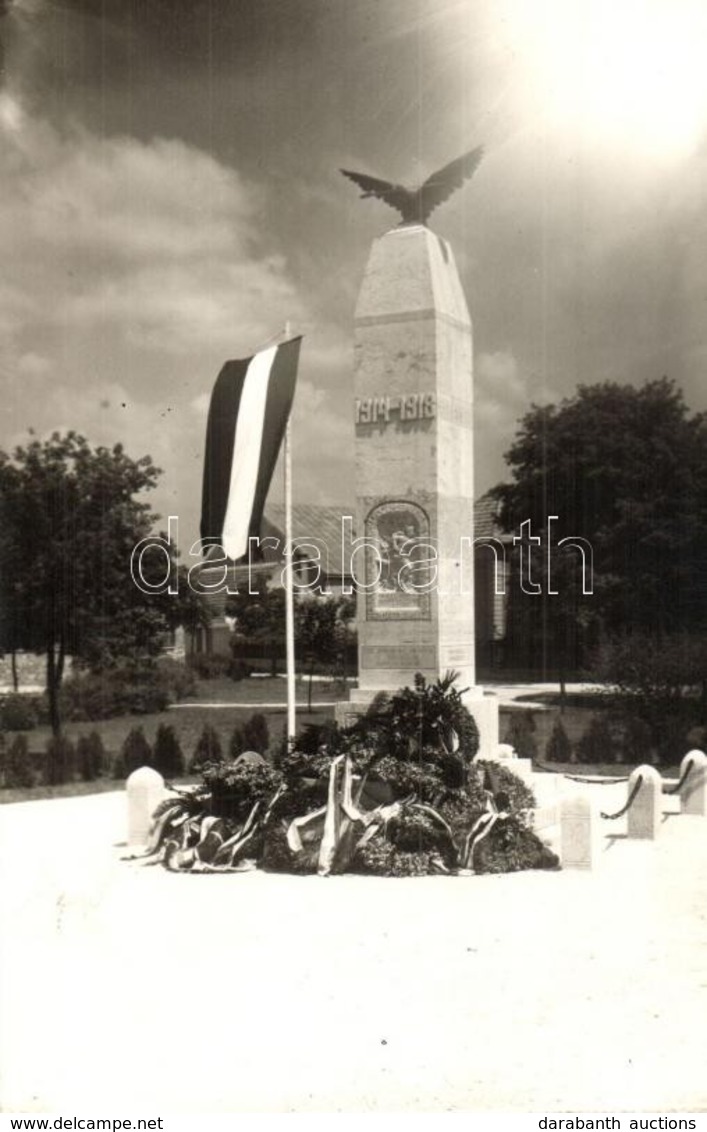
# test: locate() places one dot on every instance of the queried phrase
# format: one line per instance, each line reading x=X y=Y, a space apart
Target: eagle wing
x=440 y=186
x=397 y=196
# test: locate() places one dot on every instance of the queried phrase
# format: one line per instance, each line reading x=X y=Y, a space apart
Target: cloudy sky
x=170 y=196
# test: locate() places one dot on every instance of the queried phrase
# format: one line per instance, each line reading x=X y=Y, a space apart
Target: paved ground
x=131 y=989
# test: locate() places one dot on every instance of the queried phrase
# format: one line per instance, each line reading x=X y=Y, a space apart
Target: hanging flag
x=250 y=405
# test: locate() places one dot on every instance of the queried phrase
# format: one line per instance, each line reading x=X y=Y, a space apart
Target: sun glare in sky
x=629 y=73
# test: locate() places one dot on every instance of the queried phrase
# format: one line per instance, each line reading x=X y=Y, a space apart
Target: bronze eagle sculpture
x=415 y=205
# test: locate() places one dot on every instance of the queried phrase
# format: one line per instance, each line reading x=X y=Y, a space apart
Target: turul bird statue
x=415 y=205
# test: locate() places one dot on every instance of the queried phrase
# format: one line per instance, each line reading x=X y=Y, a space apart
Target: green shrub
x=87 y=696
x=236 y=745
x=661 y=677
x=637 y=744
x=281 y=747
x=672 y=742
x=596 y=744
x=90 y=757
x=314 y=736
x=135 y=752
x=167 y=756
x=209 y=667
x=90 y=696
x=520 y=734
x=19 y=712
x=177 y=678
x=60 y=761
x=239 y=670
x=559 y=748
x=256 y=736
x=126 y=690
x=19 y=768
x=208 y=750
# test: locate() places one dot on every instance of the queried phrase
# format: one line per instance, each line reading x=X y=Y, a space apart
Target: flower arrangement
x=396 y=794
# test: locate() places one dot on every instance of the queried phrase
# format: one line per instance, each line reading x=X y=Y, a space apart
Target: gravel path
x=130 y=989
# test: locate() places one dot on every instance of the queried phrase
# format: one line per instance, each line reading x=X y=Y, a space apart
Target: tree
x=322 y=630
x=71 y=517
x=344 y=635
x=260 y=618
x=625 y=469
x=318 y=637
x=661 y=681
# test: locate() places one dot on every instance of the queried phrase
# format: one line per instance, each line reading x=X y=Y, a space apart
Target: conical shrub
x=90 y=757
x=559 y=748
x=135 y=752
x=168 y=756
x=208 y=749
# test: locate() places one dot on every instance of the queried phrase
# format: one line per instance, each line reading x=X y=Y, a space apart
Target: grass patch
x=188 y=723
x=605 y=770
x=588 y=701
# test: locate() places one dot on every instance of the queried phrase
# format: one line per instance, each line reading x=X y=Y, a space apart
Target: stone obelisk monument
x=414 y=418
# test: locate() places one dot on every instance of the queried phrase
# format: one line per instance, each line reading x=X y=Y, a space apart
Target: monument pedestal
x=413 y=559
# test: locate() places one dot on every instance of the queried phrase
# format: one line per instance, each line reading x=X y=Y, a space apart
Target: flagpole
x=289 y=589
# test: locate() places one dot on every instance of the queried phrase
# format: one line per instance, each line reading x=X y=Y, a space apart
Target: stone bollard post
x=578 y=833
x=693 y=792
x=644 y=815
x=145 y=790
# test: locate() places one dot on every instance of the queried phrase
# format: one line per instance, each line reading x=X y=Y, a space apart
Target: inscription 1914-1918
x=403 y=407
